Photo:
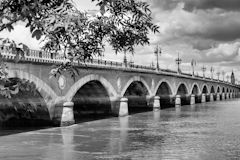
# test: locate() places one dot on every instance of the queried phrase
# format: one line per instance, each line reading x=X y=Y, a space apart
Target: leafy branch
x=76 y=35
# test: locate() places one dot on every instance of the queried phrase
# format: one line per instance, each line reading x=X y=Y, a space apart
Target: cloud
x=229 y=5
x=191 y=5
x=198 y=25
x=223 y=53
x=164 y=4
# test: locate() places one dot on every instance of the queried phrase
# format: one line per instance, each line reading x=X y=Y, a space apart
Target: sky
x=207 y=31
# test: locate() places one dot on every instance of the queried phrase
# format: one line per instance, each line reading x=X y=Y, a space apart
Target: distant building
x=232 y=78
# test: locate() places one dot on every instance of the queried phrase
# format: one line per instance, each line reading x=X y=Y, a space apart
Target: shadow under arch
x=45 y=90
x=182 y=90
x=91 y=96
x=223 y=90
x=196 y=91
x=213 y=92
x=91 y=102
x=164 y=91
x=218 y=89
x=137 y=93
x=223 y=96
x=26 y=109
x=205 y=91
x=77 y=85
x=133 y=79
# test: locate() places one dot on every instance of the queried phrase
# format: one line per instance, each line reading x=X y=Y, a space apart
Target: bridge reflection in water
x=200 y=131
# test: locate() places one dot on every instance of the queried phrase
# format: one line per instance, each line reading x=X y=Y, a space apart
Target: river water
x=201 y=132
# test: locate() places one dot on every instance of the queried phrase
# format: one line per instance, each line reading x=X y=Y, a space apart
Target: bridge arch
x=136 y=79
x=163 y=84
x=45 y=91
x=212 y=90
x=227 y=90
x=205 y=89
x=218 y=89
x=223 y=90
x=195 y=89
x=182 y=89
x=92 y=77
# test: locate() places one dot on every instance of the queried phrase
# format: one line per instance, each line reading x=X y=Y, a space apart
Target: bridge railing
x=46 y=57
x=32 y=55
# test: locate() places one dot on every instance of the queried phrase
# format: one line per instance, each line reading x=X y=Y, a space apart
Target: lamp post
x=218 y=74
x=125 y=59
x=193 y=64
x=223 y=74
x=212 y=70
x=178 y=62
x=158 y=52
x=203 y=69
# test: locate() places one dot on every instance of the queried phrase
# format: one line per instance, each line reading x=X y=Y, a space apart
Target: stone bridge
x=105 y=83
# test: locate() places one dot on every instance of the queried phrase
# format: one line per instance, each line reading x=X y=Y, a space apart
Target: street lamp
x=203 y=69
x=193 y=64
x=158 y=52
x=179 y=61
x=212 y=70
x=218 y=74
x=125 y=59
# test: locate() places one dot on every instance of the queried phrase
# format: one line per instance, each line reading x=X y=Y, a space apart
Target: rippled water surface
x=204 y=131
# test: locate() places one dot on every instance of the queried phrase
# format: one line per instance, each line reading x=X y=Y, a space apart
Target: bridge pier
x=211 y=97
x=227 y=95
x=63 y=115
x=203 y=98
x=231 y=96
x=192 y=99
x=156 y=103
x=120 y=107
x=218 y=96
x=67 y=114
x=178 y=101
x=223 y=96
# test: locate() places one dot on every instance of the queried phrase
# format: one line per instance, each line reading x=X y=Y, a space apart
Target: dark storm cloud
x=164 y=4
x=201 y=25
x=211 y=4
x=219 y=29
x=208 y=30
x=201 y=44
x=191 y=5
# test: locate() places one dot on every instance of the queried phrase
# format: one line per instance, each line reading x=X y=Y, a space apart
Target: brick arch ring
x=45 y=91
x=106 y=84
x=162 y=81
x=207 y=86
x=198 y=88
x=180 y=83
x=136 y=78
